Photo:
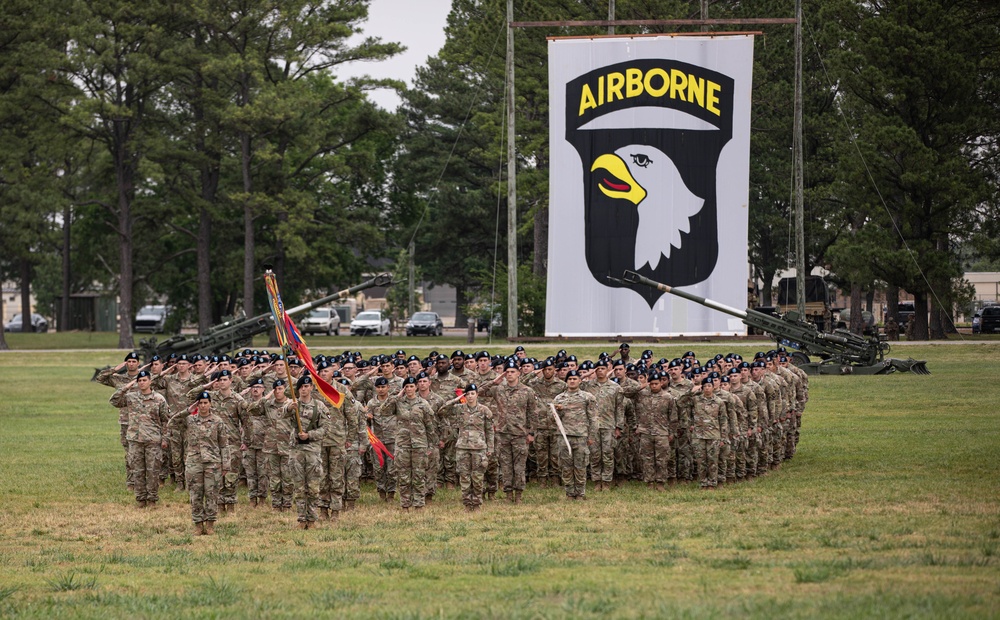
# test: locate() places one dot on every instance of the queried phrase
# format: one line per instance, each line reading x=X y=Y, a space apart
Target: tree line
x=169 y=149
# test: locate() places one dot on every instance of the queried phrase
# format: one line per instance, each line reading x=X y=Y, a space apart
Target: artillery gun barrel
x=634 y=278
x=382 y=279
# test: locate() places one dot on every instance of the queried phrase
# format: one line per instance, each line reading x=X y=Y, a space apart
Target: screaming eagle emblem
x=650 y=192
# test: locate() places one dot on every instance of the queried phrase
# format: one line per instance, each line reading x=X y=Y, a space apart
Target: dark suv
x=989 y=322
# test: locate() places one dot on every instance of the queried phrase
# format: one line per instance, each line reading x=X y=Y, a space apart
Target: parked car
x=425 y=323
x=483 y=321
x=989 y=320
x=37 y=321
x=321 y=321
x=370 y=322
x=151 y=319
x=867 y=321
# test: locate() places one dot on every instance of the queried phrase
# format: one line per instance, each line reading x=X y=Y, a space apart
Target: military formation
x=483 y=423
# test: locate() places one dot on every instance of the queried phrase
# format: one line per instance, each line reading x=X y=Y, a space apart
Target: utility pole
x=704 y=14
x=511 y=184
x=412 y=278
x=797 y=168
x=611 y=16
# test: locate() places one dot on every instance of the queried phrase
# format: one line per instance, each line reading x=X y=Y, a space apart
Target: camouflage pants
x=334 y=462
x=686 y=463
x=203 y=488
x=433 y=466
x=411 y=472
x=352 y=474
x=227 y=494
x=707 y=455
x=764 y=451
x=741 y=456
x=491 y=477
x=635 y=459
x=385 y=474
x=255 y=463
x=574 y=466
x=513 y=457
x=178 y=456
x=307 y=474
x=655 y=452
x=547 y=453
x=790 y=435
x=778 y=445
x=144 y=462
x=752 y=454
x=602 y=457
x=448 y=473
x=727 y=462
x=165 y=463
x=623 y=454
x=471 y=465
x=129 y=474
x=279 y=476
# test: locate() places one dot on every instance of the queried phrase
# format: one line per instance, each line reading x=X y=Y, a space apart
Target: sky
x=418 y=25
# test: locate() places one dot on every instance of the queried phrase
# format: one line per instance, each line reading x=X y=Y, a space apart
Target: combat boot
x=406 y=509
x=489 y=495
x=209 y=528
x=517 y=497
x=150 y=504
x=348 y=505
x=382 y=495
x=417 y=508
x=659 y=487
x=140 y=503
x=428 y=499
x=324 y=513
x=556 y=482
x=199 y=529
x=509 y=496
x=390 y=497
x=303 y=525
x=334 y=515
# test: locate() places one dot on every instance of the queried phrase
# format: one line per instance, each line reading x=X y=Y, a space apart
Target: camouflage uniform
x=709 y=426
x=475 y=433
x=207 y=450
x=627 y=459
x=515 y=421
x=727 y=452
x=445 y=388
x=683 y=448
x=750 y=437
x=116 y=380
x=232 y=410
x=356 y=447
x=434 y=458
x=341 y=430
x=304 y=455
x=277 y=446
x=175 y=390
x=147 y=417
x=656 y=417
x=547 y=437
x=492 y=476
x=414 y=428
x=610 y=414
x=578 y=411
x=384 y=427
x=255 y=460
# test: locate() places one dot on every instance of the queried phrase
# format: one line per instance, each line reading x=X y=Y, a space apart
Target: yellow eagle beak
x=619 y=182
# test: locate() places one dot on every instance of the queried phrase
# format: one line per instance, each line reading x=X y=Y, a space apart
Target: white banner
x=649 y=172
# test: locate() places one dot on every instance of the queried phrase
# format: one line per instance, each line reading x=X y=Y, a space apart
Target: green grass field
x=891 y=508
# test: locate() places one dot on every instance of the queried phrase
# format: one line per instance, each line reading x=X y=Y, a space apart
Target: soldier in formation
x=561 y=419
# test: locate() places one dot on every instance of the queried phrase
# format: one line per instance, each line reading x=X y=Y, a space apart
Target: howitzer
x=841 y=351
x=237 y=333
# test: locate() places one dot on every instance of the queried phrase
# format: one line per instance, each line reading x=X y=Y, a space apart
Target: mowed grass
x=891 y=508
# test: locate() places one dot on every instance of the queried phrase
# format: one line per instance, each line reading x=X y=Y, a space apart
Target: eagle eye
x=641 y=159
